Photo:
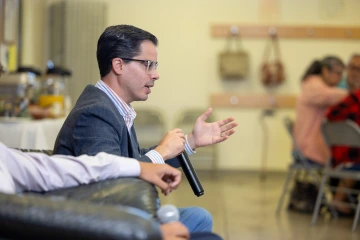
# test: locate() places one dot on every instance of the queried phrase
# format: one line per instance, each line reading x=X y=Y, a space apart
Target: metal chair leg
x=319 y=200
x=297 y=174
x=285 y=189
x=356 y=218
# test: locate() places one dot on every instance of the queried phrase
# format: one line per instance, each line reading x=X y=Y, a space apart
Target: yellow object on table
x=12 y=58
x=54 y=102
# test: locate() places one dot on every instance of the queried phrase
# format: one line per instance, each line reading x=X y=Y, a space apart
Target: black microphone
x=190 y=174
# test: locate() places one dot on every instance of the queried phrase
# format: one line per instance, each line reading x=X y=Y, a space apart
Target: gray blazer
x=95 y=125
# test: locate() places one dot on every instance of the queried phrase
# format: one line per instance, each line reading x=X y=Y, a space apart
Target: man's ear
x=117 y=65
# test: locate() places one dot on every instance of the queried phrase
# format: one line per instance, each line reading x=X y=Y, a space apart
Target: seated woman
x=318 y=92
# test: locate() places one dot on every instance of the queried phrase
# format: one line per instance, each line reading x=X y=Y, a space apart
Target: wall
x=188 y=63
x=34 y=24
x=33 y=30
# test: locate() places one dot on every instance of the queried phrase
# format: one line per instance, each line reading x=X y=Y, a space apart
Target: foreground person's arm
x=40 y=172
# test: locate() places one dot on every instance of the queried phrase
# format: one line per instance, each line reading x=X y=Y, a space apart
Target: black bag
x=303 y=197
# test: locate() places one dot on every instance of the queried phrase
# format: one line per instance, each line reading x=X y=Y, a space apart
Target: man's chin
x=144 y=98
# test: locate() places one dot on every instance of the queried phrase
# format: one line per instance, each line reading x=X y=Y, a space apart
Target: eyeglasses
x=339 y=73
x=354 y=68
x=150 y=65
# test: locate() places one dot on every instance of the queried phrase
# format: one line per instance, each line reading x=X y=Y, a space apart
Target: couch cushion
x=29 y=217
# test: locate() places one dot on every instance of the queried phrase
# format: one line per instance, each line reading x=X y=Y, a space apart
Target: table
x=30 y=134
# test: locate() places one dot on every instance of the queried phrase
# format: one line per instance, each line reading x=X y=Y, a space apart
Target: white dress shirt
x=21 y=171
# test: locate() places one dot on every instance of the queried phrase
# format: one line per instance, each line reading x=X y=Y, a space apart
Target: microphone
x=190 y=174
x=168 y=213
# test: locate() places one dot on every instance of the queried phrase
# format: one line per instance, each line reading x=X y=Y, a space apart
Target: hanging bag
x=233 y=63
x=272 y=72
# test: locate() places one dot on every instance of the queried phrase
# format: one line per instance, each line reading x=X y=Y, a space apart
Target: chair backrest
x=205 y=157
x=343 y=133
x=148 y=117
x=186 y=119
x=189 y=116
x=289 y=125
x=150 y=127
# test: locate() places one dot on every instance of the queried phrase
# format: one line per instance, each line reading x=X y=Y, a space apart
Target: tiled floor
x=243 y=207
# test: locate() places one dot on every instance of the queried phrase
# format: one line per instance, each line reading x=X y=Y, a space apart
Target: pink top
x=311 y=106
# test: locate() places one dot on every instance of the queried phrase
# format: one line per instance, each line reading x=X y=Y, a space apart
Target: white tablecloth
x=30 y=134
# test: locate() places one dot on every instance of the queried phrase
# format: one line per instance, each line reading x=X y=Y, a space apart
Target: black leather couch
x=132 y=192
x=35 y=217
x=94 y=211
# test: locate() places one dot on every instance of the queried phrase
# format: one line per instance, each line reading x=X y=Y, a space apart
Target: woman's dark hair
x=120 y=41
x=330 y=62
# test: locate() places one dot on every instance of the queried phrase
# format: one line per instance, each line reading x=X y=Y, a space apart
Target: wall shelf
x=283 y=31
x=236 y=100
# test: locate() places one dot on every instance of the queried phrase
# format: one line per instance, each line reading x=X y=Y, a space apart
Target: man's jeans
x=196 y=219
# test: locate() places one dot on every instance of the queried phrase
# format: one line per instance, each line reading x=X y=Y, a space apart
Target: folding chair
x=150 y=127
x=344 y=133
x=299 y=165
x=205 y=157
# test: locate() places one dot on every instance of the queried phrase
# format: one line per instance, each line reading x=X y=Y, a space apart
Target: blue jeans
x=196 y=219
x=308 y=160
x=204 y=236
x=353 y=167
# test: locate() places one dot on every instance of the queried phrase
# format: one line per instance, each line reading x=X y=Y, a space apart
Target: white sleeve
x=40 y=172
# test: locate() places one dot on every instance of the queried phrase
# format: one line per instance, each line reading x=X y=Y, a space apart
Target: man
x=102 y=119
x=39 y=172
x=348 y=108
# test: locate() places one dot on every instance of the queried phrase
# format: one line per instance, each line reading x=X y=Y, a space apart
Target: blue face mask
x=343 y=84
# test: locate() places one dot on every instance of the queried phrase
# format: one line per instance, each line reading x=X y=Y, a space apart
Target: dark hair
x=330 y=62
x=120 y=41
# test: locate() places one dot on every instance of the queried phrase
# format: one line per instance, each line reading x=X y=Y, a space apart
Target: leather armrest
x=46 y=151
x=24 y=217
x=132 y=192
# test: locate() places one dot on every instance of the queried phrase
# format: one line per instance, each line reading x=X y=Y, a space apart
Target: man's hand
x=172 y=144
x=205 y=134
x=174 y=231
x=162 y=175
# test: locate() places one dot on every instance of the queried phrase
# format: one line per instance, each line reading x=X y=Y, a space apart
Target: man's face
x=137 y=82
x=353 y=73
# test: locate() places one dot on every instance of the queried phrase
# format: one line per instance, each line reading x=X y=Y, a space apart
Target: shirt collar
x=126 y=110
